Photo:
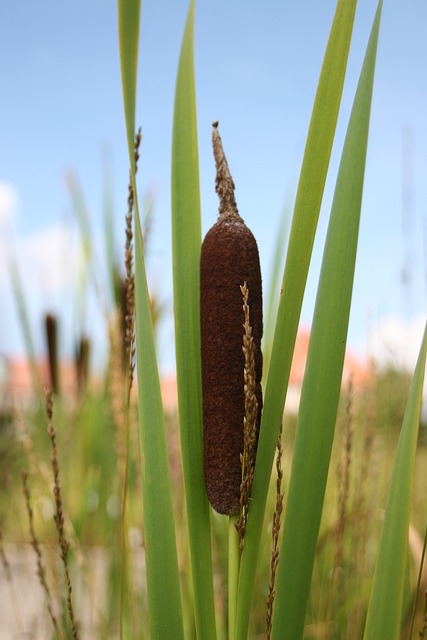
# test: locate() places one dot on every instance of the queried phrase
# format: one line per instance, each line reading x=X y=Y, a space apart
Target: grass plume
x=277 y=520
x=41 y=570
x=249 y=421
x=59 y=513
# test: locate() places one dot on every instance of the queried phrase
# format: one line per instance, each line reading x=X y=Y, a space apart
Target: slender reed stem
x=41 y=570
x=59 y=514
x=277 y=520
x=233 y=574
x=129 y=340
x=423 y=631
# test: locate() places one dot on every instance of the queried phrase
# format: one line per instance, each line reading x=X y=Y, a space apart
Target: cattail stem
x=233 y=574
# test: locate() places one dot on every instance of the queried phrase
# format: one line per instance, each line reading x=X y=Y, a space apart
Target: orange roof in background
x=354 y=366
x=19 y=383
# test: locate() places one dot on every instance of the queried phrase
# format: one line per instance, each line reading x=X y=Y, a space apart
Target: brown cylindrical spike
x=229 y=258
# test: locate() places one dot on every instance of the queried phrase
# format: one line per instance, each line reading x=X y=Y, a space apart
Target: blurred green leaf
x=385 y=604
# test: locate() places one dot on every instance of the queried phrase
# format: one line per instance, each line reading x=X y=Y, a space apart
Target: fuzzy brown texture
x=229 y=258
x=82 y=359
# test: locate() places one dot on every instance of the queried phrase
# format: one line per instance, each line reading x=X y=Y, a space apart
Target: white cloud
x=8 y=204
x=49 y=258
x=46 y=259
x=396 y=341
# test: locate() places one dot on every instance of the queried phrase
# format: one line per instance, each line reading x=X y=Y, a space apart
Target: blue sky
x=257 y=67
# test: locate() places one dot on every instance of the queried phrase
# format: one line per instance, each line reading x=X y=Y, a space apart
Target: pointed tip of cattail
x=224 y=184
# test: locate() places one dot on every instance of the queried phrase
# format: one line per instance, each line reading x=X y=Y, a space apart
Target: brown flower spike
x=229 y=258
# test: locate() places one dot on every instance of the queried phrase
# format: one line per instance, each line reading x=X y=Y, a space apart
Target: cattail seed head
x=51 y=326
x=229 y=258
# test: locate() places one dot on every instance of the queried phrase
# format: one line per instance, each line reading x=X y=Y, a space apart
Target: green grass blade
x=108 y=219
x=186 y=240
x=272 y=300
x=306 y=212
x=385 y=604
x=325 y=360
x=164 y=596
x=128 y=18
x=21 y=306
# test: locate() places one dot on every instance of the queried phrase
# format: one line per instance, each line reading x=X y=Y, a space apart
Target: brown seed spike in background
x=229 y=258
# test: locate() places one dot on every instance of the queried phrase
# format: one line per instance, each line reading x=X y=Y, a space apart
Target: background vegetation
x=127 y=476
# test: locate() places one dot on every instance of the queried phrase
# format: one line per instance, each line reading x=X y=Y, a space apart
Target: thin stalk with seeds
x=9 y=580
x=130 y=350
x=422 y=632
x=343 y=481
x=418 y=596
x=59 y=514
x=41 y=571
x=249 y=421
x=277 y=520
x=247 y=459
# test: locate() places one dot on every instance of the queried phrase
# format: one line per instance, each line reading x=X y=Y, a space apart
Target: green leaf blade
x=163 y=589
x=322 y=380
x=186 y=241
x=385 y=604
x=306 y=211
x=164 y=596
x=128 y=21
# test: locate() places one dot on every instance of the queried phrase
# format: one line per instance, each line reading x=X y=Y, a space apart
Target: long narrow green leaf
x=186 y=239
x=21 y=306
x=306 y=212
x=272 y=301
x=164 y=596
x=128 y=18
x=385 y=604
x=325 y=360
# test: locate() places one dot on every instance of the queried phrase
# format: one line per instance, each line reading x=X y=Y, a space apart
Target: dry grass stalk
x=129 y=364
x=362 y=510
x=9 y=580
x=344 y=477
x=249 y=422
x=41 y=571
x=343 y=482
x=59 y=514
x=423 y=632
x=277 y=520
x=117 y=392
x=129 y=337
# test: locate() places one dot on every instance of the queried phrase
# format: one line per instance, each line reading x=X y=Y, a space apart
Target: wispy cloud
x=396 y=341
x=8 y=204
x=46 y=259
